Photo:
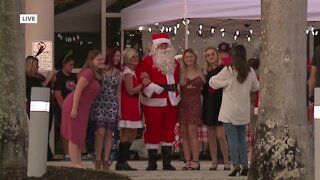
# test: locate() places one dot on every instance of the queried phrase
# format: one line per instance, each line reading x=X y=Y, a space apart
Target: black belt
x=169 y=87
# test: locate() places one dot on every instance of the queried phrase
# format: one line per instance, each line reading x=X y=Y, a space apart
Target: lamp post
x=38 y=131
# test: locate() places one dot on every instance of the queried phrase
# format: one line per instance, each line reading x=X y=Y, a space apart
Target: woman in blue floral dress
x=105 y=110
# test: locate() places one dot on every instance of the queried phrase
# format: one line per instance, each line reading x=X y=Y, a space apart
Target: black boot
x=124 y=149
x=121 y=156
x=167 y=157
x=152 y=161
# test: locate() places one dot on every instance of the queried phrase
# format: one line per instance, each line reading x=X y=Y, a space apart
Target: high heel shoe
x=187 y=165
x=226 y=167
x=235 y=171
x=195 y=168
x=244 y=171
x=214 y=167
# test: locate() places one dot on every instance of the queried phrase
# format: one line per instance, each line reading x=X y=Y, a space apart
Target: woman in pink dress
x=76 y=106
x=130 y=119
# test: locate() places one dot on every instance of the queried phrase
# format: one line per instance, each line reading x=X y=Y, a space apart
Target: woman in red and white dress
x=130 y=119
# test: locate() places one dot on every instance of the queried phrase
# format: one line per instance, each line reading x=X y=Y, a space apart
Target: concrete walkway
x=142 y=174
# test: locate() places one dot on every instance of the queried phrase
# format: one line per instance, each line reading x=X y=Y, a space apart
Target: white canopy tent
x=212 y=12
x=151 y=11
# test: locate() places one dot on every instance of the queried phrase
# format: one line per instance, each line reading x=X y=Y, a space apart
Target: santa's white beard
x=164 y=60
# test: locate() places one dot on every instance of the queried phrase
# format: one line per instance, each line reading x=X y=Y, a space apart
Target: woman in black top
x=65 y=83
x=34 y=78
x=211 y=106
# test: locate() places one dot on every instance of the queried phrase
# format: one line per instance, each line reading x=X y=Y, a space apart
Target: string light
x=200 y=32
x=212 y=30
x=170 y=29
x=222 y=30
x=237 y=32
x=156 y=23
x=223 y=33
x=251 y=31
x=178 y=25
x=235 y=37
x=149 y=29
x=188 y=32
x=200 y=26
x=249 y=38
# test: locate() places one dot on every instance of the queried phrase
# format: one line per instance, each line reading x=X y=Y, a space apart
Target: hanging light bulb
x=250 y=30
x=167 y=29
x=175 y=31
x=188 y=21
x=316 y=33
x=188 y=32
x=149 y=29
x=312 y=28
x=249 y=38
x=212 y=30
x=184 y=21
x=307 y=31
x=237 y=32
x=170 y=28
x=222 y=30
x=200 y=26
x=235 y=37
x=200 y=32
x=161 y=30
x=178 y=25
x=313 y=33
x=223 y=33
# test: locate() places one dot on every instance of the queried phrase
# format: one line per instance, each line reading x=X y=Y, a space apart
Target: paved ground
x=142 y=174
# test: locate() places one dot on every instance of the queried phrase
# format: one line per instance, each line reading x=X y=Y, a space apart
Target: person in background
x=106 y=108
x=237 y=81
x=254 y=63
x=189 y=109
x=65 y=84
x=314 y=79
x=224 y=53
x=34 y=78
x=211 y=106
x=76 y=106
x=130 y=119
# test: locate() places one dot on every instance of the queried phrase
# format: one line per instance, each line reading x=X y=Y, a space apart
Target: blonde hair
x=184 y=66
x=31 y=61
x=98 y=73
x=127 y=54
x=208 y=67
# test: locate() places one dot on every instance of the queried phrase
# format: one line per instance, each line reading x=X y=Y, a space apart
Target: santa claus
x=160 y=99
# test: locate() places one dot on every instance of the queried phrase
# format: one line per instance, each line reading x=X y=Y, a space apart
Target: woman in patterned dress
x=189 y=110
x=76 y=106
x=105 y=110
x=130 y=119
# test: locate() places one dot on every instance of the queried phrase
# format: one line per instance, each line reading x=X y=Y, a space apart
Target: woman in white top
x=237 y=82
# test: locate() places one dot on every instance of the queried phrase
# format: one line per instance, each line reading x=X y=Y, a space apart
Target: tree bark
x=282 y=149
x=13 y=121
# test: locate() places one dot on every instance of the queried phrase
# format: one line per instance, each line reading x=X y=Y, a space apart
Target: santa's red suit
x=159 y=99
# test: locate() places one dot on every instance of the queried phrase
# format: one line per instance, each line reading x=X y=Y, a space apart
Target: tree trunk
x=13 y=121
x=282 y=149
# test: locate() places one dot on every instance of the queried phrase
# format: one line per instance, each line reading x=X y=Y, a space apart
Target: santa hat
x=160 y=38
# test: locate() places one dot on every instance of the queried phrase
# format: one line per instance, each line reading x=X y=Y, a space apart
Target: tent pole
x=103 y=27
x=186 y=37
x=122 y=44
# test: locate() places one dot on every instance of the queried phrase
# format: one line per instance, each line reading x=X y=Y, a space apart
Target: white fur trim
x=130 y=124
x=153 y=102
x=152 y=146
x=162 y=143
x=160 y=41
x=174 y=99
x=151 y=88
x=128 y=71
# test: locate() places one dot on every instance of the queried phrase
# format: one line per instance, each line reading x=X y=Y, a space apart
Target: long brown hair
x=239 y=59
x=98 y=73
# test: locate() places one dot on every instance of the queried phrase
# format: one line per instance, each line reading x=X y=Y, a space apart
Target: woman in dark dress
x=34 y=78
x=211 y=106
